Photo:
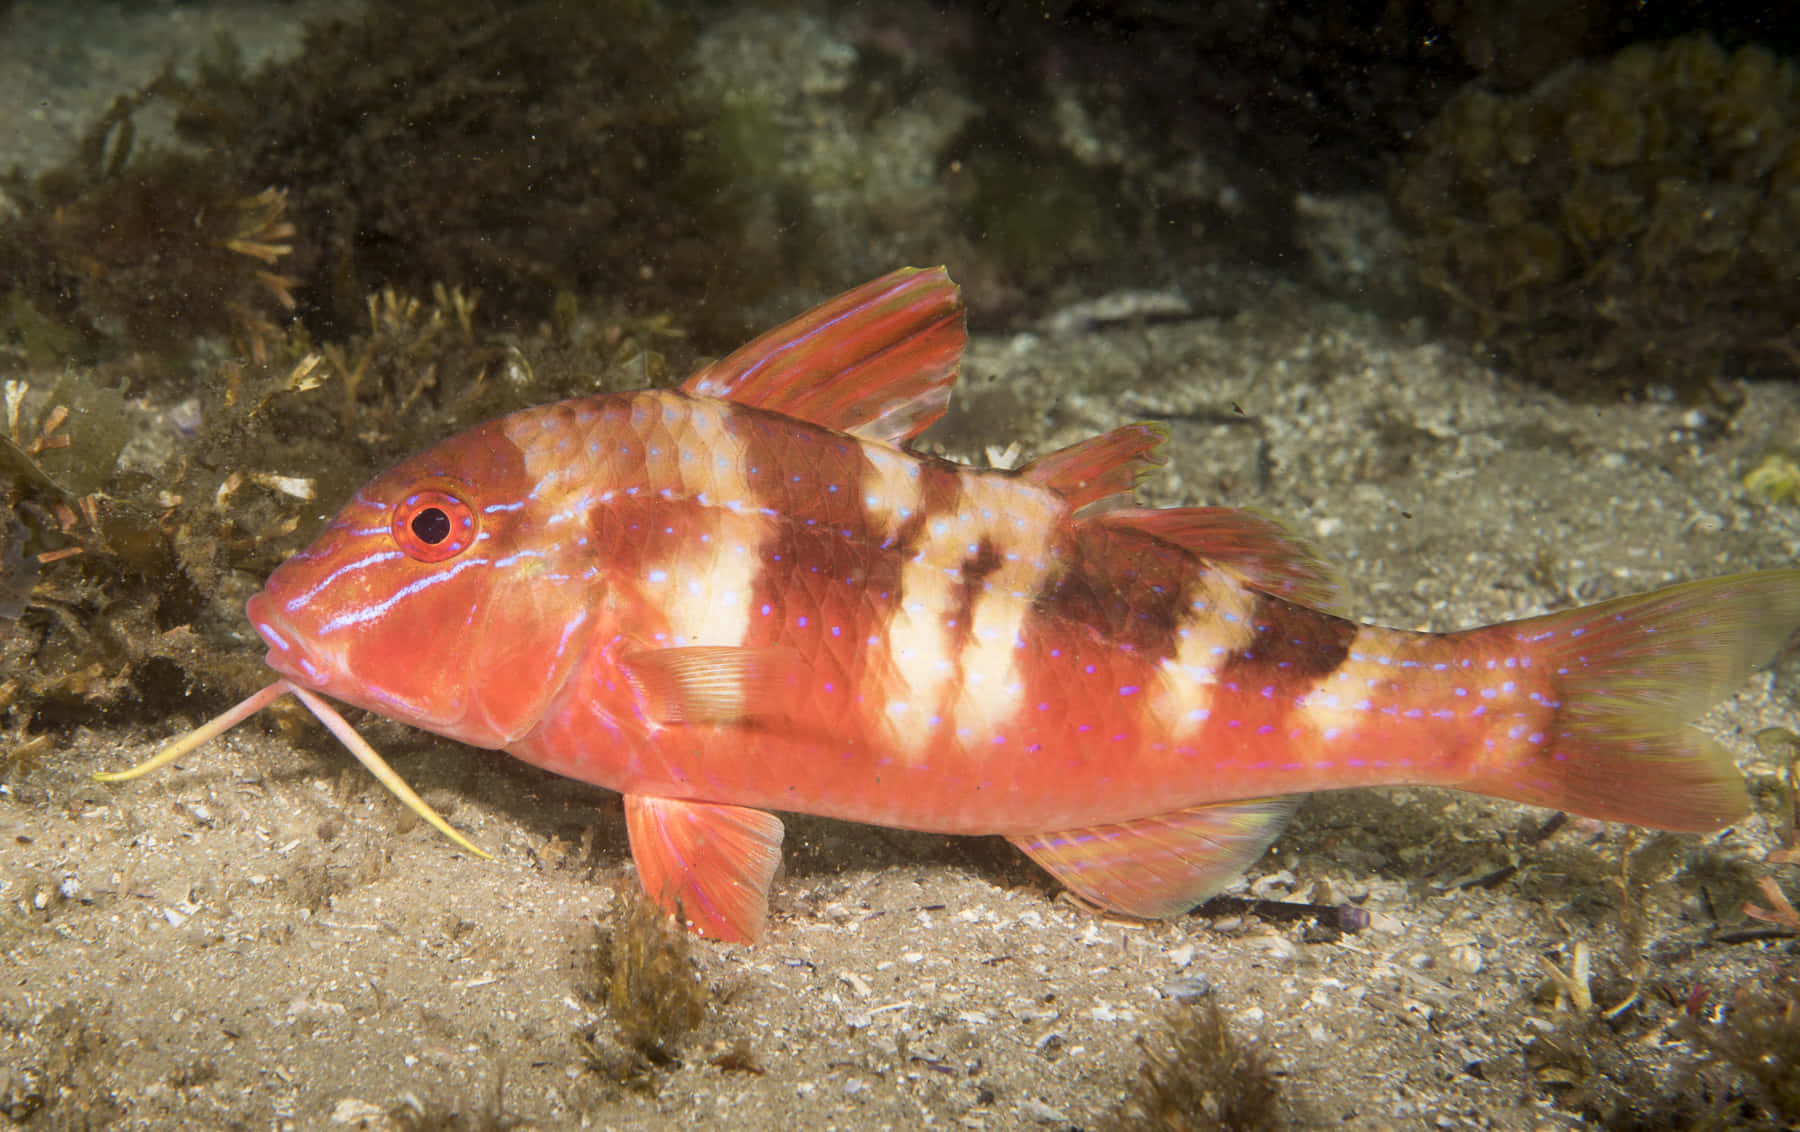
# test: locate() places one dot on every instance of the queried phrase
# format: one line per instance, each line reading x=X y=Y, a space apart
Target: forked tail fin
x=1628 y=676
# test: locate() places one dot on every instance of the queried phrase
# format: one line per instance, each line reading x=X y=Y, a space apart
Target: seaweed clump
x=117 y=251
x=641 y=967
x=522 y=149
x=1624 y=223
x=1198 y=1077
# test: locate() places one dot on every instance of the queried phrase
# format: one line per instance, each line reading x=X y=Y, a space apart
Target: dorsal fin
x=877 y=361
x=1265 y=553
x=1100 y=467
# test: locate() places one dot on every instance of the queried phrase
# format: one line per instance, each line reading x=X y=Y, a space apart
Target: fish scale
x=747 y=595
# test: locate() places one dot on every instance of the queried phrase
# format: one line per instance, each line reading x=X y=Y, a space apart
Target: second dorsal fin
x=1268 y=556
x=1101 y=467
x=877 y=361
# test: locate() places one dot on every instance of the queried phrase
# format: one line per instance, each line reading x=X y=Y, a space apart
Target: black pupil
x=431 y=525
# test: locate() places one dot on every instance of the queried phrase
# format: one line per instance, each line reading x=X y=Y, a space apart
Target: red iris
x=434 y=525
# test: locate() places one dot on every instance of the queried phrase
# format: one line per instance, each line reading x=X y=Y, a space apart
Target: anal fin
x=708 y=865
x=1160 y=866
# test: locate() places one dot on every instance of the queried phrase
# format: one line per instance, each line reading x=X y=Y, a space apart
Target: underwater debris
x=63 y=1083
x=18 y=570
x=1588 y=1052
x=1783 y=745
x=410 y=350
x=1198 y=1077
x=103 y=566
x=1757 y=1034
x=1775 y=480
x=1781 y=911
x=409 y=1113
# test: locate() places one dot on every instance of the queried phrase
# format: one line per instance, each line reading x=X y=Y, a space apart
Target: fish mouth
x=287 y=653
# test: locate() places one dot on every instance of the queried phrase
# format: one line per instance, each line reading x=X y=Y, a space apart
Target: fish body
x=747 y=595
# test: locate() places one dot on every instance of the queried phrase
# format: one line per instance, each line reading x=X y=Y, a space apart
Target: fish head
x=439 y=596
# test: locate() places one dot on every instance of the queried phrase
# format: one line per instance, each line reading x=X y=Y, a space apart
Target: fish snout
x=288 y=653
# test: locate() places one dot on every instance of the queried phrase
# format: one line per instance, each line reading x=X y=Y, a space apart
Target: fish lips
x=288 y=652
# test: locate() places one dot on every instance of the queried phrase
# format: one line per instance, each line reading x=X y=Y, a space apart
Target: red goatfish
x=747 y=595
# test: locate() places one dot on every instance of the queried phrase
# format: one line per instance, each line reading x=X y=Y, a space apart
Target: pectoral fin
x=1159 y=867
x=707 y=865
x=716 y=684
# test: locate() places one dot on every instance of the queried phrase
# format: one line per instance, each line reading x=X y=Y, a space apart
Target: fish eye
x=431 y=526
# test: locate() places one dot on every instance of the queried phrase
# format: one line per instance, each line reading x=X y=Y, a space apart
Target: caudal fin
x=1630 y=675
